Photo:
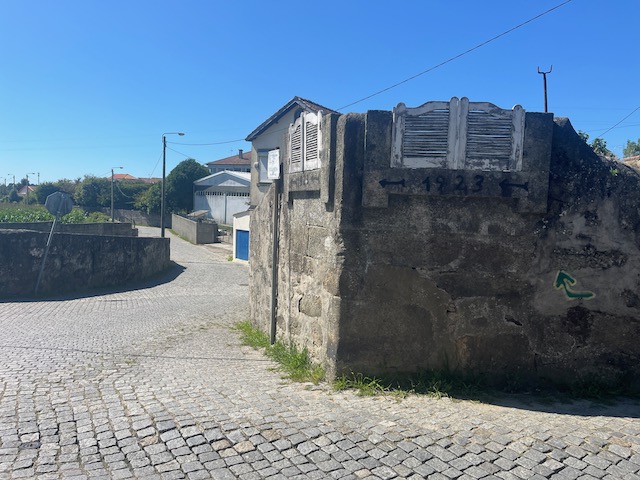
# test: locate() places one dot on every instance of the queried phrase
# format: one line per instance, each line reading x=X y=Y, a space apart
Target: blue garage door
x=242 y=244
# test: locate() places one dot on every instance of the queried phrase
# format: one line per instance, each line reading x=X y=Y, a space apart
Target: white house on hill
x=222 y=195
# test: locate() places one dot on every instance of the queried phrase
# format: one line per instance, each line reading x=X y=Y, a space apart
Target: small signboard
x=273 y=165
x=59 y=204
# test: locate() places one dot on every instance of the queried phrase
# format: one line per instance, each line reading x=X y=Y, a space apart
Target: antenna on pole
x=544 y=76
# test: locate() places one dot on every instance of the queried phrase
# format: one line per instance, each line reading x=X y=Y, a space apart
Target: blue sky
x=90 y=85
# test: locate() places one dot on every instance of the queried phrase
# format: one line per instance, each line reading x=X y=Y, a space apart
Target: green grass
x=298 y=366
x=37 y=213
x=295 y=364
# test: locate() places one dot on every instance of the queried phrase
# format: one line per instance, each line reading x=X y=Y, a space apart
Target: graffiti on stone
x=565 y=282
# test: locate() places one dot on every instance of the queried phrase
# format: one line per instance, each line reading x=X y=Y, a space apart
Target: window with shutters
x=458 y=135
x=305 y=142
x=263 y=164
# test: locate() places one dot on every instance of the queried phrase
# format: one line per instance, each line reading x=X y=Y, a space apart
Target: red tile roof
x=242 y=158
x=123 y=176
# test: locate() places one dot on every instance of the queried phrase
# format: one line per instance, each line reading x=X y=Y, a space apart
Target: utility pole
x=544 y=76
x=28 y=185
x=112 y=181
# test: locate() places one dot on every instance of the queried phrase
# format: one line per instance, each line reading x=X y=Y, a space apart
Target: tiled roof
x=123 y=176
x=242 y=158
x=303 y=103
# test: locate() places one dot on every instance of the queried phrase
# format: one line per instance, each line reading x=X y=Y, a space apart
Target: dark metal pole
x=112 y=195
x=164 y=162
x=544 y=76
x=274 y=255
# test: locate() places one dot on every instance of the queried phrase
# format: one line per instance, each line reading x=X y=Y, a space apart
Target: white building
x=222 y=195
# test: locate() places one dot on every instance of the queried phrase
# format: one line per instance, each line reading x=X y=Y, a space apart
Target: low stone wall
x=76 y=262
x=193 y=231
x=137 y=217
x=117 y=229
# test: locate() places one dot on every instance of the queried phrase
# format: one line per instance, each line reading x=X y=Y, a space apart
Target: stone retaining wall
x=76 y=262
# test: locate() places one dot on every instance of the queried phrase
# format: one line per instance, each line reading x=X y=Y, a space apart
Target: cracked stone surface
x=153 y=383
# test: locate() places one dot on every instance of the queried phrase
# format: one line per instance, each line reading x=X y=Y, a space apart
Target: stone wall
x=535 y=277
x=76 y=262
x=117 y=229
x=138 y=217
x=194 y=231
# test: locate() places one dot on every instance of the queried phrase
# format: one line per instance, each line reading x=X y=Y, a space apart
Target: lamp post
x=14 y=179
x=112 y=192
x=27 y=175
x=164 y=166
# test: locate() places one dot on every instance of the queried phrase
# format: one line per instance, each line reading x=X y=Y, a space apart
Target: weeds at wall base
x=436 y=384
x=296 y=364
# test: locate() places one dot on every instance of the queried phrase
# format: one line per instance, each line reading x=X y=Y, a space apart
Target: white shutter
x=421 y=135
x=312 y=141
x=295 y=146
x=458 y=135
x=494 y=138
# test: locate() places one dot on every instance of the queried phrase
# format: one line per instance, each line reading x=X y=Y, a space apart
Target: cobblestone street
x=153 y=383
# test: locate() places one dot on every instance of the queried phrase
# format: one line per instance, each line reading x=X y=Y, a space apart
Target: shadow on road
x=170 y=274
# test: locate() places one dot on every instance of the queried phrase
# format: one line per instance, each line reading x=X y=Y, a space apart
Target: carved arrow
x=386 y=182
x=505 y=185
x=565 y=281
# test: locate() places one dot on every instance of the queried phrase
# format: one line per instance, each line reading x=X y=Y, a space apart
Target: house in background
x=125 y=177
x=271 y=135
x=222 y=195
x=235 y=163
x=26 y=190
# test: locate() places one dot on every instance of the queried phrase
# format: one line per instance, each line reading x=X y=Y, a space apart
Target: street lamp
x=112 y=192
x=14 y=179
x=33 y=173
x=164 y=166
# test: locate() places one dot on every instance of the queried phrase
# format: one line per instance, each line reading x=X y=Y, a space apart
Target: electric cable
x=430 y=69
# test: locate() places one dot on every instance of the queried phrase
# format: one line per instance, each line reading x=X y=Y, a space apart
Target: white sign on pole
x=273 y=164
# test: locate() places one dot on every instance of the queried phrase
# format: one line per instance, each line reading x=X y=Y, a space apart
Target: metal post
x=164 y=163
x=112 y=195
x=164 y=178
x=544 y=76
x=274 y=255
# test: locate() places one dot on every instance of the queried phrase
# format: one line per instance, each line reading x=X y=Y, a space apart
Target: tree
x=180 y=185
x=45 y=189
x=93 y=192
x=632 y=149
x=14 y=197
x=598 y=145
x=149 y=199
x=584 y=136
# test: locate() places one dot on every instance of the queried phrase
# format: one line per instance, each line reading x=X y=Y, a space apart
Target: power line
x=611 y=128
x=205 y=144
x=430 y=69
x=183 y=154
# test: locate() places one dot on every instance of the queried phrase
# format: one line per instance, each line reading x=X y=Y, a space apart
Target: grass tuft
x=296 y=364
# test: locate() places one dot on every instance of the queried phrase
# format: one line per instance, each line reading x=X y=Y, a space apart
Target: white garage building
x=222 y=195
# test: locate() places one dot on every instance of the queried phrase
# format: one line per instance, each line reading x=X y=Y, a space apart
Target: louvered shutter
x=311 y=141
x=494 y=138
x=421 y=135
x=295 y=145
x=458 y=135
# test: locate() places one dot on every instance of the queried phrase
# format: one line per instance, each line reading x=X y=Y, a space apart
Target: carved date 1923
x=459 y=184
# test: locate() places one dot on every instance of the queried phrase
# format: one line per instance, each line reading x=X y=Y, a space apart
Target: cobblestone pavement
x=152 y=383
